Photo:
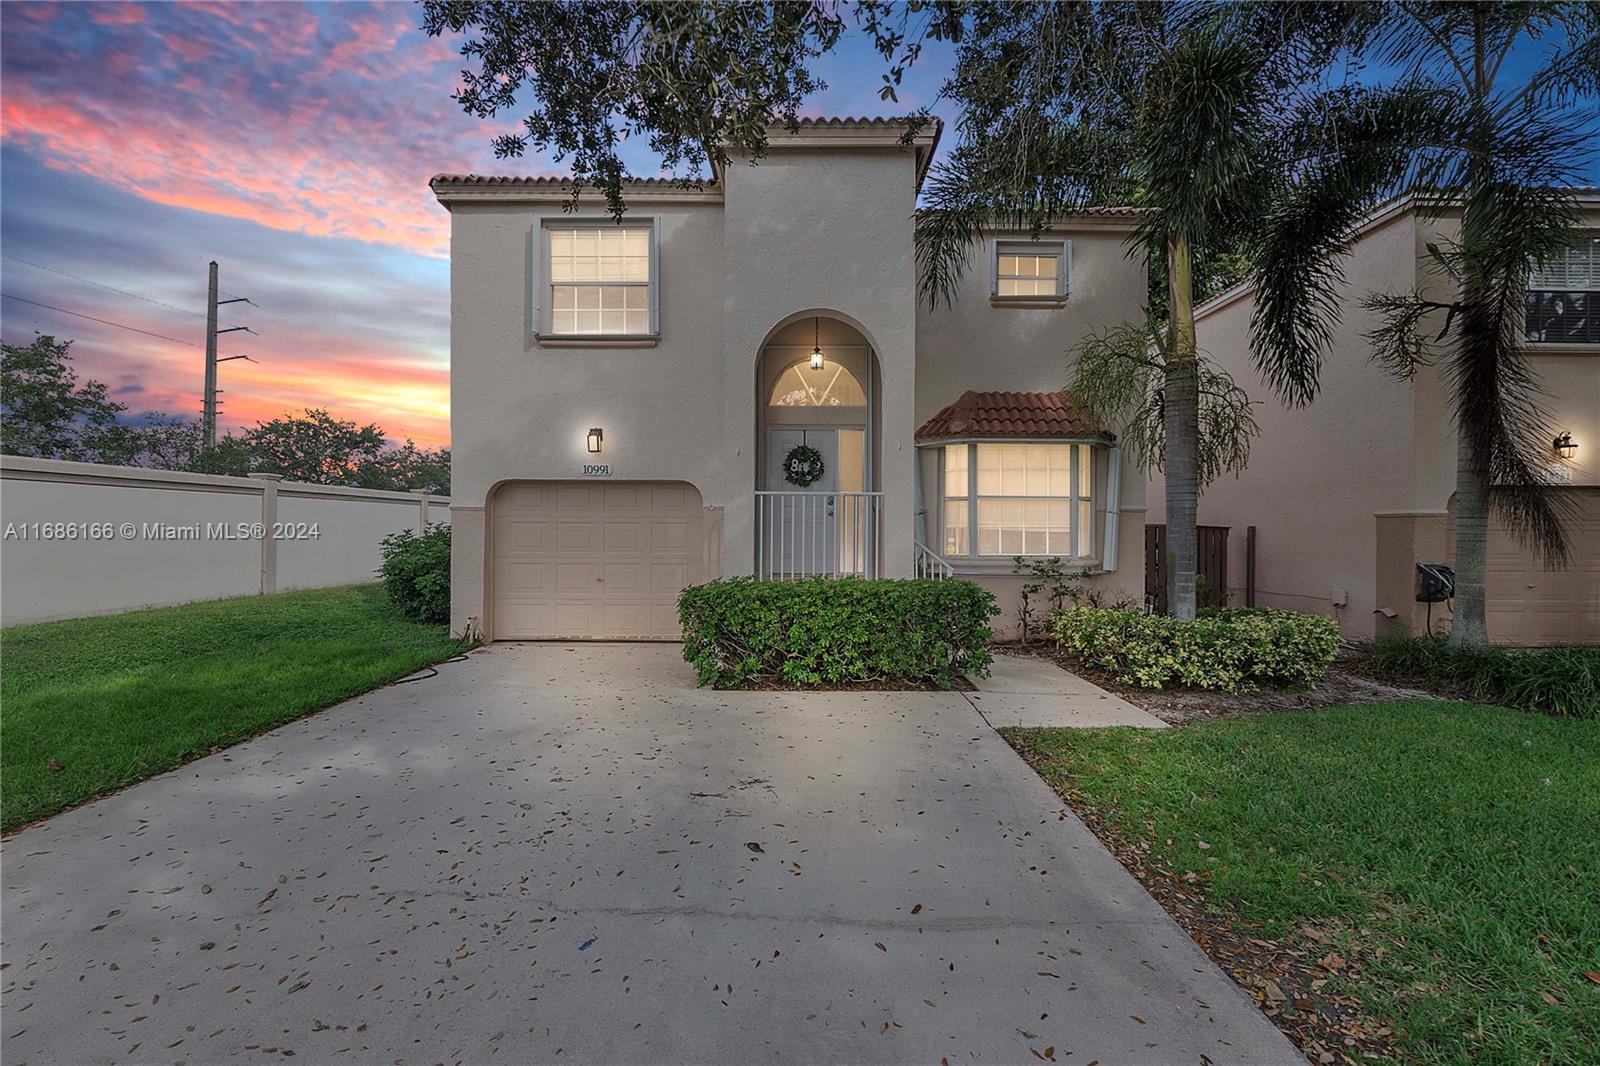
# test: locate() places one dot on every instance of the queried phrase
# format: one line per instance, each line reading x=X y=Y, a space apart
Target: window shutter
x=655 y=276
x=536 y=276
x=1064 y=271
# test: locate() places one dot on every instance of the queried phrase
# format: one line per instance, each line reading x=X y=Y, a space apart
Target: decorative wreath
x=802 y=465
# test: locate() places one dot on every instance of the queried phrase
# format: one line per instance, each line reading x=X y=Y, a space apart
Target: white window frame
x=1537 y=284
x=1080 y=542
x=1062 y=249
x=542 y=285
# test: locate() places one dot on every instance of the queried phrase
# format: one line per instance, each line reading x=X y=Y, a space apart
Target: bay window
x=1007 y=499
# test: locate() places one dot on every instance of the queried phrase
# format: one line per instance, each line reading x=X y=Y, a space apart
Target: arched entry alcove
x=818 y=508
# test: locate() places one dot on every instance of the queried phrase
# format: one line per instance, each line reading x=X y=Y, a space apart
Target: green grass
x=116 y=699
x=1455 y=847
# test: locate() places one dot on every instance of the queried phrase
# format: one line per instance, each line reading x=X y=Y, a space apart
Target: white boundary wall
x=82 y=539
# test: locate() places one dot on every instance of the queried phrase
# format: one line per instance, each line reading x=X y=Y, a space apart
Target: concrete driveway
x=569 y=854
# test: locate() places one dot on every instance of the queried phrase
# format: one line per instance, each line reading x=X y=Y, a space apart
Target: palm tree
x=1504 y=154
x=1212 y=118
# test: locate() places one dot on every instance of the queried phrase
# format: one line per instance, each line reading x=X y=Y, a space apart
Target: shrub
x=1228 y=649
x=741 y=633
x=416 y=572
x=1559 y=680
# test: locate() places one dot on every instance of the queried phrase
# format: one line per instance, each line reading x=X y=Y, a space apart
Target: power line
x=108 y=288
x=102 y=321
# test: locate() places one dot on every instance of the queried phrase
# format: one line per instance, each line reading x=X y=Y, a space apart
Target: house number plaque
x=596 y=470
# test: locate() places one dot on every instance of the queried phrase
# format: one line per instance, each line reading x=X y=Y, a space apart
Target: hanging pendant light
x=816 y=345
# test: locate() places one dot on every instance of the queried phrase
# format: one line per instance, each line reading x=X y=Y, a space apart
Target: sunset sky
x=291 y=142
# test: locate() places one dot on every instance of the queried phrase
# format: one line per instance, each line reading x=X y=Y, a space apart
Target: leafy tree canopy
x=49 y=413
x=694 y=79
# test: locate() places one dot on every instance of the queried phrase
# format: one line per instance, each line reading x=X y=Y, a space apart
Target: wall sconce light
x=816 y=344
x=1565 y=446
x=597 y=437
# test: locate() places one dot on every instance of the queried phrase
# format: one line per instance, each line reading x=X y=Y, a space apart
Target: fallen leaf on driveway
x=753 y=846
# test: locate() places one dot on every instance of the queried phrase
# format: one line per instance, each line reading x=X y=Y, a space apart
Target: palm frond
x=1117 y=375
x=1350 y=147
x=1506 y=229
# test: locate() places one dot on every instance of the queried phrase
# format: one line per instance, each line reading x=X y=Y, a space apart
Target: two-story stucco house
x=1349 y=494
x=741 y=380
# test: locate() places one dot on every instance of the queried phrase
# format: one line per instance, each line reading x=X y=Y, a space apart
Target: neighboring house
x=1350 y=493
x=732 y=380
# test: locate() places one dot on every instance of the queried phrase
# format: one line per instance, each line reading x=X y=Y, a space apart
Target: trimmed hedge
x=416 y=572
x=1231 y=649
x=1561 y=680
x=744 y=633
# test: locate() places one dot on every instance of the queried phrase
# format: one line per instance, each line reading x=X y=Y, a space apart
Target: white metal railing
x=932 y=566
x=818 y=534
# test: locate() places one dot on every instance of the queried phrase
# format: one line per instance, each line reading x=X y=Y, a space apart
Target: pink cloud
x=279 y=126
x=116 y=14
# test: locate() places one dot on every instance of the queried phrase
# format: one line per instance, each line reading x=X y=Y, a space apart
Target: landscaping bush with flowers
x=1231 y=649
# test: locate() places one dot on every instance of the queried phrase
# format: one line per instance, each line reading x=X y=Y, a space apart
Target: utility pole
x=208 y=409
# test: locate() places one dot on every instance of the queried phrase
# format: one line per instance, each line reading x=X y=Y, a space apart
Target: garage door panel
x=575 y=578
x=575 y=496
x=573 y=560
x=671 y=536
x=625 y=580
x=1527 y=604
x=576 y=619
x=623 y=499
x=668 y=580
x=534 y=621
x=525 y=536
x=674 y=498
x=624 y=537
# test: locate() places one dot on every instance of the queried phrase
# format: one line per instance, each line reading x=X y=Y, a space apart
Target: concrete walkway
x=570 y=854
x=1026 y=690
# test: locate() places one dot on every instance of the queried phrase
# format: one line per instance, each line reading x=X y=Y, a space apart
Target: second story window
x=1564 y=297
x=1030 y=270
x=599 y=280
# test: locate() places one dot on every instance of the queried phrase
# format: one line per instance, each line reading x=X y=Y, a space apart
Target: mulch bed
x=1287 y=978
x=1351 y=679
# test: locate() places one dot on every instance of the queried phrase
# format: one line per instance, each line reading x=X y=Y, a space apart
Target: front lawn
x=93 y=704
x=1434 y=865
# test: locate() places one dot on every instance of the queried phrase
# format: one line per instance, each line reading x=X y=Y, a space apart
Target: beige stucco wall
x=976 y=343
x=101 y=558
x=1319 y=474
x=809 y=231
x=1350 y=492
x=823 y=232
x=519 y=410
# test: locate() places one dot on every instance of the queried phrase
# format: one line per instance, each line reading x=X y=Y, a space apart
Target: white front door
x=800 y=528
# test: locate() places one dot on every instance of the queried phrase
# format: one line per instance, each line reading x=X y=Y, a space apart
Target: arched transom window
x=832 y=386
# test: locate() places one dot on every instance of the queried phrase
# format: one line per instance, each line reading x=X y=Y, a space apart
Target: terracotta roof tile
x=511 y=179
x=1031 y=415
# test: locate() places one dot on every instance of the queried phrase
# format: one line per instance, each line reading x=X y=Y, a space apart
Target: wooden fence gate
x=1212 y=587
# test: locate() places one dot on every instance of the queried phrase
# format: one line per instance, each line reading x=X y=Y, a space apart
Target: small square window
x=1030 y=270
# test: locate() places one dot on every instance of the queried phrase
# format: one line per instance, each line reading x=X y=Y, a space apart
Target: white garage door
x=1527 y=604
x=593 y=560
